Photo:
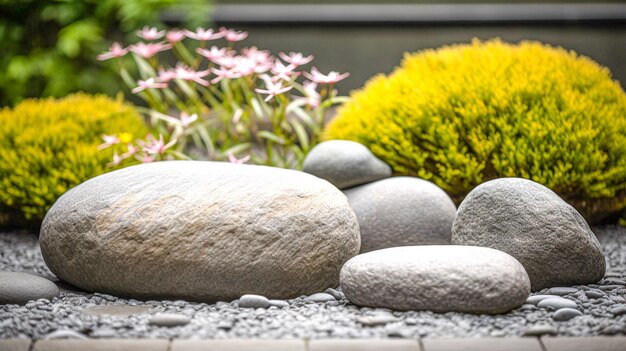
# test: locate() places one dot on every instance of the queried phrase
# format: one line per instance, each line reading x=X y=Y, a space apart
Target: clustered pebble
x=592 y=309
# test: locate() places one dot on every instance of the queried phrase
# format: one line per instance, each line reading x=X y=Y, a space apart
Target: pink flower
x=232 y=35
x=116 y=160
x=132 y=149
x=148 y=50
x=148 y=33
x=116 y=50
x=157 y=146
x=150 y=83
x=109 y=140
x=259 y=56
x=331 y=78
x=186 y=119
x=224 y=73
x=203 y=35
x=233 y=159
x=214 y=53
x=246 y=66
x=166 y=75
x=311 y=97
x=185 y=73
x=175 y=35
x=145 y=158
x=296 y=58
x=272 y=89
x=284 y=72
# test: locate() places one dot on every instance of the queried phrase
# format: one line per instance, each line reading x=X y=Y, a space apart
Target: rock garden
x=477 y=191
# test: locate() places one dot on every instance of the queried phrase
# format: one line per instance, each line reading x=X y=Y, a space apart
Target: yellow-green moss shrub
x=48 y=146
x=464 y=114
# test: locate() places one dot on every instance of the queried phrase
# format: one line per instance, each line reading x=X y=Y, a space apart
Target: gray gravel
x=77 y=314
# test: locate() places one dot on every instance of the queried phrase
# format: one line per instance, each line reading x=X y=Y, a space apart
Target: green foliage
x=48 y=146
x=464 y=114
x=49 y=47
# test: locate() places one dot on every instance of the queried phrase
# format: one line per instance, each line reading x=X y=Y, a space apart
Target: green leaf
x=72 y=36
x=303 y=136
x=271 y=136
x=237 y=149
x=206 y=138
x=145 y=70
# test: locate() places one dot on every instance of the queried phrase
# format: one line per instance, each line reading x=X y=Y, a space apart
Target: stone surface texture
x=202 y=231
x=345 y=164
x=19 y=288
x=402 y=211
x=533 y=224
x=439 y=278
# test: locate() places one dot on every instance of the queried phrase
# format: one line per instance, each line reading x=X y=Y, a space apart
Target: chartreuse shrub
x=465 y=114
x=48 y=146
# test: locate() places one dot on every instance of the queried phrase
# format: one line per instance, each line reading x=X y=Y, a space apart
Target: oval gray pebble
x=619 y=310
x=337 y=294
x=557 y=303
x=541 y=329
x=565 y=314
x=321 y=297
x=535 y=299
x=561 y=291
x=279 y=303
x=528 y=307
x=253 y=301
x=169 y=320
x=19 y=288
x=378 y=319
x=594 y=294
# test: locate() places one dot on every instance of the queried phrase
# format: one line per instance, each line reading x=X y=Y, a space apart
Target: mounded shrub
x=48 y=146
x=465 y=114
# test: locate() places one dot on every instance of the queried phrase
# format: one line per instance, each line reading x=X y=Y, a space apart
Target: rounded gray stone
x=535 y=299
x=557 y=303
x=253 y=301
x=345 y=163
x=619 y=310
x=402 y=211
x=338 y=295
x=565 y=314
x=595 y=294
x=439 y=278
x=320 y=297
x=380 y=318
x=533 y=224
x=200 y=231
x=561 y=291
x=169 y=320
x=278 y=303
x=19 y=288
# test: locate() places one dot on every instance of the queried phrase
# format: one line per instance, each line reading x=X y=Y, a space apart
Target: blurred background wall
x=369 y=37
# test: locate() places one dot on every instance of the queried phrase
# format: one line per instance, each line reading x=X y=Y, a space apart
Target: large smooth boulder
x=345 y=163
x=18 y=288
x=533 y=224
x=402 y=211
x=439 y=278
x=202 y=231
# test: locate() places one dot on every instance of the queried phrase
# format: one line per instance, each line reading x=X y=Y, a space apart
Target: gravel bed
x=79 y=314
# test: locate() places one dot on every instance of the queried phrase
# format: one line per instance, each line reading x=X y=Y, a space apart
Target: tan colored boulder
x=202 y=231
